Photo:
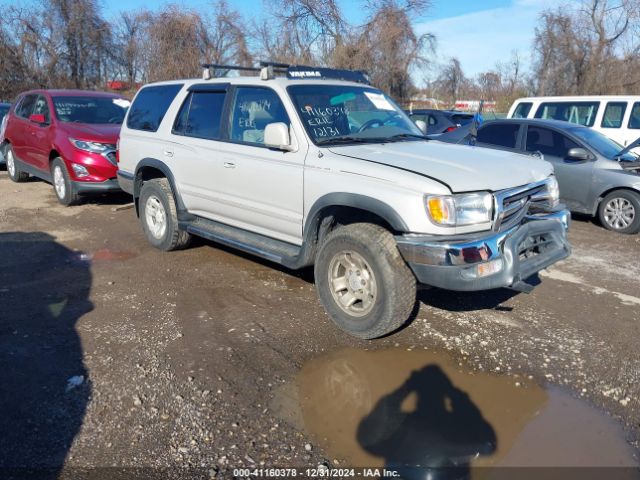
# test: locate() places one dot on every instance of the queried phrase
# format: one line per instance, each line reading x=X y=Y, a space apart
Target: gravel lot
x=113 y=354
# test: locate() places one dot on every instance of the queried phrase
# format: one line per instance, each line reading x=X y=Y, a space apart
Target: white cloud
x=481 y=39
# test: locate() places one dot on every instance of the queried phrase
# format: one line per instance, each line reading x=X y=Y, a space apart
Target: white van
x=616 y=116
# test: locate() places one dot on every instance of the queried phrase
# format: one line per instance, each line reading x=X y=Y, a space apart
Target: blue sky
x=478 y=32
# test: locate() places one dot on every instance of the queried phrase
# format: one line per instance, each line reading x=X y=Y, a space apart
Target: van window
x=613 y=114
x=500 y=134
x=522 y=110
x=200 y=115
x=150 y=106
x=582 y=113
x=634 y=120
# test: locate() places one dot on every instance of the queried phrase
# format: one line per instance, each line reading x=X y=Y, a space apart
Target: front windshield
x=95 y=110
x=602 y=144
x=334 y=114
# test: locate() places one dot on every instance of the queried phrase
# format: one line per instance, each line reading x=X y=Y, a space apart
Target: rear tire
x=62 y=185
x=13 y=169
x=363 y=282
x=620 y=212
x=159 y=218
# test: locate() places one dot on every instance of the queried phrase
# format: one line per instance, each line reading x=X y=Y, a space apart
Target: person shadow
x=437 y=439
x=44 y=386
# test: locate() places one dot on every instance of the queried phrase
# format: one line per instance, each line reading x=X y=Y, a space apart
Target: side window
x=42 y=108
x=26 y=106
x=150 y=106
x=549 y=142
x=613 y=114
x=634 y=120
x=501 y=135
x=200 y=115
x=522 y=110
x=582 y=113
x=253 y=109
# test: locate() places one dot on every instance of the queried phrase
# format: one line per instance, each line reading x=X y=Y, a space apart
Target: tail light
x=450 y=129
x=118 y=150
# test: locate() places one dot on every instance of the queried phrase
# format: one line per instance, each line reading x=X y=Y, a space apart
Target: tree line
x=592 y=48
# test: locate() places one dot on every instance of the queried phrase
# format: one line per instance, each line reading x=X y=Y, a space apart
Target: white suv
x=314 y=168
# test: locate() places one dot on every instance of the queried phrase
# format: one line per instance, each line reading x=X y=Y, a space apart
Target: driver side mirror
x=37 y=118
x=422 y=125
x=578 y=154
x=276 y=135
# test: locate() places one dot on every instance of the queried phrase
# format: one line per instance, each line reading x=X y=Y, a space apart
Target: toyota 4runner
x=309 y=166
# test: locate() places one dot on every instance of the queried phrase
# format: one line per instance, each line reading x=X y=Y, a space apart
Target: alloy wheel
x=156 y=217
x=352 y=283
x=58 y=181
x=619 y=213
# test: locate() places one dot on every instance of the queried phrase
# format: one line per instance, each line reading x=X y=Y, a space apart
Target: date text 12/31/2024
x=319 y=472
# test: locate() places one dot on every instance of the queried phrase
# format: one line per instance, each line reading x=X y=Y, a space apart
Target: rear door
x=196 y=147
x=575 y=178
x=633 y=126
x=21 y=128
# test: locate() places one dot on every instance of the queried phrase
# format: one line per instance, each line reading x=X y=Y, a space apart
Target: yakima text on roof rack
x=268 y=70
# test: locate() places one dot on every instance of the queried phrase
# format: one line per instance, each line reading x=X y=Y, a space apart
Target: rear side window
x=200 y=115
x=26 y=106
x=522 y=110
x=581 y=113
x=501 y=135
x=150 y=106
x=613 y=114
x=549 y=142
x=634 y=120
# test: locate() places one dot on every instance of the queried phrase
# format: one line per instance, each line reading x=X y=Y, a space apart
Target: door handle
x=229 y=165
x=168 y=153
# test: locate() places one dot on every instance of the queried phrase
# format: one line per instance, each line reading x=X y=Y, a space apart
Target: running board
x=262 y=246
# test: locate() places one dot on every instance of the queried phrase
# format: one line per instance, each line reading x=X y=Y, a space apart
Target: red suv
x=66 y=137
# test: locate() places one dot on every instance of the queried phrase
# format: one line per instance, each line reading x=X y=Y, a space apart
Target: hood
x=462 y=168
x=627 y=149
x=103 y=133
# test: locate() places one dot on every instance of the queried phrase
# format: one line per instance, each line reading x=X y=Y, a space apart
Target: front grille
x=513 y=204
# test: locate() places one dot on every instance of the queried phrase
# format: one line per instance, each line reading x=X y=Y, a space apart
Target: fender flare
x=161 y=166
x=362 y=202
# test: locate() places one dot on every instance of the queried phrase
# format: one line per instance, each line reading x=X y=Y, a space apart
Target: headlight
x=554 y=191
x=93 y=147
x=460 y=210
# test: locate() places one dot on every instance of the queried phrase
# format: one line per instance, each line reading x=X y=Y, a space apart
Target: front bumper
x=87 y=188
x=490 y=259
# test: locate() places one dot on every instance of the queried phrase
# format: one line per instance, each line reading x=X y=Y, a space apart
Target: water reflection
x=436 y=438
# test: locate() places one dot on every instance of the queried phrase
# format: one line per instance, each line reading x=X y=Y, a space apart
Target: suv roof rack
x=268 y=70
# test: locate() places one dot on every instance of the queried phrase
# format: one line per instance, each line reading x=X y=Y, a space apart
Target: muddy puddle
x=398 y=408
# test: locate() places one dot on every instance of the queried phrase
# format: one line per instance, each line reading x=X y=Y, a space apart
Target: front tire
x=62 y=185
x=159 y=217
x=620 y=212
x=15 y=174
x=363 y=282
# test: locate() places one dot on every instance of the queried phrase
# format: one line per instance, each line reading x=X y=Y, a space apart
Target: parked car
x=310 y=169
x=65 y=137
x=597 y=176
x=616 y=116
x=4 y=109
x=440 y=121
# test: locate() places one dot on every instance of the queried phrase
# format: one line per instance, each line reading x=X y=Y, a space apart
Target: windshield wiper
x=402 y=136
x=346 y=139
